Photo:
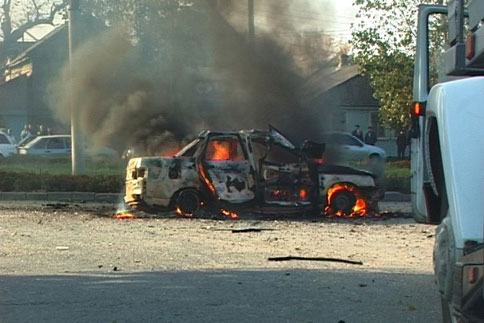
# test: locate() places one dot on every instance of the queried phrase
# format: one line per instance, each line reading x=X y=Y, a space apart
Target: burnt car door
x=225 y=169
x=283 y=174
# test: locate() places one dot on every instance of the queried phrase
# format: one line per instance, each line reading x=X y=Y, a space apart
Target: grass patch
x=53 y=174
x=397 y=176
x=61 y=165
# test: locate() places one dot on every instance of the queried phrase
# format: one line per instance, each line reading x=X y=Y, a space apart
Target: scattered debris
x=57 y=206
x=250 y=230
x=288 y=258
x=242 y=230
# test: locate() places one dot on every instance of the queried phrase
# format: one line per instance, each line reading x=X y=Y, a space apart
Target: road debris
x=288 y=258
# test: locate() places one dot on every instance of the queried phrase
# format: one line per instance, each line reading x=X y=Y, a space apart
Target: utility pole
x=251 y=24
x=77 y=139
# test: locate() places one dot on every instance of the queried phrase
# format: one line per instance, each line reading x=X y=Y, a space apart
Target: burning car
x=247 y=169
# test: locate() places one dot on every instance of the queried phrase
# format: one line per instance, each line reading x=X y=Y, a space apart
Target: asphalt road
x=221 y=296
x=289 y=292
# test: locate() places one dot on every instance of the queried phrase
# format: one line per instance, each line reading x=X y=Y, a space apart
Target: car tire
x=375 y=159
x=188 y=202
x=343 y=201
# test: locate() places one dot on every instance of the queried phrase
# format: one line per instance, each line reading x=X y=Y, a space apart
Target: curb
x=62 y=196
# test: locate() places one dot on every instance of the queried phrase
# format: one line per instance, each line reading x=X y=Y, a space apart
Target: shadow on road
x=221 y=296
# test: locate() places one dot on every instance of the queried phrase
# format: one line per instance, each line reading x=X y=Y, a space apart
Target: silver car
x=57 y=145
x=7 y=145
x=345 y=148
x=60 y=145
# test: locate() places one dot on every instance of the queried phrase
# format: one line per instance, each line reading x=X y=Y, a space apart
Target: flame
x=170 y=151
x=359 y=209
x=218 y=150
x=123 y=215
x=229 y=214
x=179 y=212
x=303 y=194
x=205 y=179
x=319 y=160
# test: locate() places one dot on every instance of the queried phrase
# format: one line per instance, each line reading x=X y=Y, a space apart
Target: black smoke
x=125 y=100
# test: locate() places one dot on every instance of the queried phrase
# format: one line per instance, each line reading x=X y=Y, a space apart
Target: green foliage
x=32 y=182
x=41 y=174
x=384 y=46
x=60 y=165
x=397 y=176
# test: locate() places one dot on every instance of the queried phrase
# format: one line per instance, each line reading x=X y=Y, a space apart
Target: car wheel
x=188 y=202
x=343 y=201
x=375 y=159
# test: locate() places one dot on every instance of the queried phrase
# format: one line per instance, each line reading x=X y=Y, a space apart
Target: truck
x=447 y=159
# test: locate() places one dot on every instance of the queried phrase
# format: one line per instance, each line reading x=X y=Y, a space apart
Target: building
x=25 y=80
x=345 y=96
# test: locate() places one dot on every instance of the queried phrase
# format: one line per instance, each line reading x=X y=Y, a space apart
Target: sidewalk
x=118 y=197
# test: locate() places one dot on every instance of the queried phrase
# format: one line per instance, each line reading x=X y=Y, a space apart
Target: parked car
x=7 y=146
x=248 y=168
x=342 y=147
x=60 y=145
x=55 y=145
x=25 y=141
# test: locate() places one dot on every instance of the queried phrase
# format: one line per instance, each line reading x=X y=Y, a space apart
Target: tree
x=384 y=47
x=18 y=16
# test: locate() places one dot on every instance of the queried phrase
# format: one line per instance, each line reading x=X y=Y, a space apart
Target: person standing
x=401 y=144
x=370 y=137
x=25 y=132
x=42 y=131
x=357 y=132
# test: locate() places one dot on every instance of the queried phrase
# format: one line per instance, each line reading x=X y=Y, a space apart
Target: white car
x=7 y=145
x=343 y=148
x=60 y=145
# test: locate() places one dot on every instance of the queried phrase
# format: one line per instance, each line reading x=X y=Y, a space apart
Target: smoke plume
x=124 y=100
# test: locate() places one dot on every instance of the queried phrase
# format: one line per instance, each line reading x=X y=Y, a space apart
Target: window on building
x=339 y=121
x=375 y=124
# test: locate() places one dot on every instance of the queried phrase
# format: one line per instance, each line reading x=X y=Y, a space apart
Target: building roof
x=325 y=79
x=25 y=54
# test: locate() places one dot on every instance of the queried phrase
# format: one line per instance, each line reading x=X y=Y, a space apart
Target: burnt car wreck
x=255 y=170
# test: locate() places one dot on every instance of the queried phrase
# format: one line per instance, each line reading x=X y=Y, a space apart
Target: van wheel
x=343 y=201
x=188 y=202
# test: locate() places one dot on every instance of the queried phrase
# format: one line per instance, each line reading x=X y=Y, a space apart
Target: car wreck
x=256 y=170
